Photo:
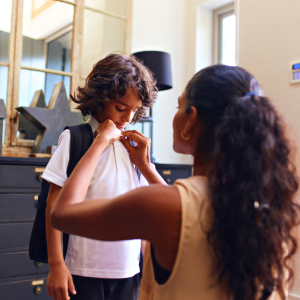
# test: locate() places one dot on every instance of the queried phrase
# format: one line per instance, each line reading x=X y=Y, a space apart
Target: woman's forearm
x=151 y=175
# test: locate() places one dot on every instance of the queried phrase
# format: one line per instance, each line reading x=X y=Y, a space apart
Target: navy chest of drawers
x=20 y=278
x=171 y=172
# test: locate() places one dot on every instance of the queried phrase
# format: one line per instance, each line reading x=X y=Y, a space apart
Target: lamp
x=159 y=64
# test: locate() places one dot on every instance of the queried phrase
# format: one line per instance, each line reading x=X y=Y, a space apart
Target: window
x=58 y=58
x=224 y=23
x=43 y=42
x=5 y=27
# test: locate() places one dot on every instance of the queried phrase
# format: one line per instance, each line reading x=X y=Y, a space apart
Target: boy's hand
x=108 y=131
x=59 y=281
x=140 y=154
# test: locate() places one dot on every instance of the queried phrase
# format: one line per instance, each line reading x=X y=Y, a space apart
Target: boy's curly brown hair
x=111 y=78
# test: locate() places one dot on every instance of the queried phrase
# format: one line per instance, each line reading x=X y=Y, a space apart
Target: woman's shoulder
x=193 y=182
x=194 y=187
x=195 y=194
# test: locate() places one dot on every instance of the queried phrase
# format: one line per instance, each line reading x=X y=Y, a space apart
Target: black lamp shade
x=160 y=64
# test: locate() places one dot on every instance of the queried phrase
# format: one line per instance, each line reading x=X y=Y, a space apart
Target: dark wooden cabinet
x=172 y=172
x=24 y=290
x=14 y=236
x=20 y=277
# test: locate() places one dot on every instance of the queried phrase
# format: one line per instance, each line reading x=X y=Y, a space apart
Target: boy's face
x=121 y=111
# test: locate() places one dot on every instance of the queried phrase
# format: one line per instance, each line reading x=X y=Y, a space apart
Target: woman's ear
x=191 y=122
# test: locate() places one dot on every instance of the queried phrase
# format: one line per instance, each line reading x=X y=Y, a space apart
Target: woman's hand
x=139 y=154
x=108 y=132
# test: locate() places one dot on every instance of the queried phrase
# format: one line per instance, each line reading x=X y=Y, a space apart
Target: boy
x=121 y=89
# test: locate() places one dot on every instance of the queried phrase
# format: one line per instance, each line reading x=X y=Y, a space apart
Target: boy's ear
x=192 y=120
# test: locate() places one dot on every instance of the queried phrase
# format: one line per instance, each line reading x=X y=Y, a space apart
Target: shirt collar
x=93 y=123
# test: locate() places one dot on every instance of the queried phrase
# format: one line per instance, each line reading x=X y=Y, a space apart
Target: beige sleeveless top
x=191 y=277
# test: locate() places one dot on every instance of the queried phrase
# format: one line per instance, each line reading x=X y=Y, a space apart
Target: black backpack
x=81 y=140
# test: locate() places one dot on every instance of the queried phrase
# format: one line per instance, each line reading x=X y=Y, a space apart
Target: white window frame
x=13 y=146
x=218 y=15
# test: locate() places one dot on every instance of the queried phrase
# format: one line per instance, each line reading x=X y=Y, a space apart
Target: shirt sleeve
x=56 y=169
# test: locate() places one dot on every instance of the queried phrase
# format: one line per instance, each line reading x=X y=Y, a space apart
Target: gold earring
x=184 y=137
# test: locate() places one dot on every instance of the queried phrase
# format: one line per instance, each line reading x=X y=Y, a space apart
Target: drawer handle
x=39 y=170
x=38 y=290
x=36 y=197
x=167 y=172
x=39 y=264
x=37 y=282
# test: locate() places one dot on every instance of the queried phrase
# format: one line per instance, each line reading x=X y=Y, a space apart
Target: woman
x=227 y=231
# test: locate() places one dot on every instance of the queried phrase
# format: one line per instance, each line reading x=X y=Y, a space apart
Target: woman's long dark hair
x=253 y=181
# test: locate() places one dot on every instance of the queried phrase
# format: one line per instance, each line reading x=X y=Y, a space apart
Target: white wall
x=268 y=41
x=161 y=25
x=199 y=33
x=204 y=33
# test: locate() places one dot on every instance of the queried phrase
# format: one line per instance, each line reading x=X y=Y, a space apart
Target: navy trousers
x=106 y=289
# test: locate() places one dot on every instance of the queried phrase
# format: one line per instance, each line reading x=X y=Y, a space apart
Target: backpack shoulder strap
x=81 y=140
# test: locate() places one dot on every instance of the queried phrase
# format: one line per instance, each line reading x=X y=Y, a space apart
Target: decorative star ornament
x=27 y=130
x=3 y=115
x=51 y=121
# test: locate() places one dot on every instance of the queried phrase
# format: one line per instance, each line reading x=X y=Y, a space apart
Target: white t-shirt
x=114 y=175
